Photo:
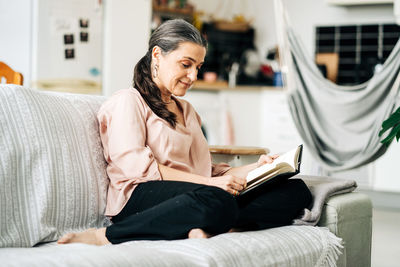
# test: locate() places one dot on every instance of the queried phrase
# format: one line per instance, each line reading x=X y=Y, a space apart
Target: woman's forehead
x=190 y=51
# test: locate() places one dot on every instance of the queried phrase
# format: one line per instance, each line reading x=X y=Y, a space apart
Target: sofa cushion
x=299 y=246
x=52 y=170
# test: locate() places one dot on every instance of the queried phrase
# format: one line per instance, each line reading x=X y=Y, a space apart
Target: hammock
x=338 y=124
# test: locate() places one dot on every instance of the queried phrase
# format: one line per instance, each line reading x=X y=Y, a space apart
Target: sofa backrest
x=52 y=171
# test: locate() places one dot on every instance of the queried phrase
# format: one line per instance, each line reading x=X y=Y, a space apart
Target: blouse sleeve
x=123 y=132
x=219 y=169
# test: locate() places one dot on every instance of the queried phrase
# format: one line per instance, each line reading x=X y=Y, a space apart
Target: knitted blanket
x=321 y=189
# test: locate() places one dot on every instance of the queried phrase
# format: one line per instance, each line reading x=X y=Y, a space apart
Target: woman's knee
x=220 y=211
x=300 y=193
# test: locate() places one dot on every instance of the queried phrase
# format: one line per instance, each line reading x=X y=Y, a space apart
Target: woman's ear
x=156 y=53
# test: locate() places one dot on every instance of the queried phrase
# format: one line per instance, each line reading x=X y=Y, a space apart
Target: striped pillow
x=52 y=170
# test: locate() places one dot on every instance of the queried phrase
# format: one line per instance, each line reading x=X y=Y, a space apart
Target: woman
x=162 y=182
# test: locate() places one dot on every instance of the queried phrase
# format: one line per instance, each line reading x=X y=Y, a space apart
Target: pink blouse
x=134 y=139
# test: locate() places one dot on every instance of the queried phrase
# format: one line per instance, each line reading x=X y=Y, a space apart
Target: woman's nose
x=192 y=75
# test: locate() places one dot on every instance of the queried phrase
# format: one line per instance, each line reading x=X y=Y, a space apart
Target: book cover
x=284 y=167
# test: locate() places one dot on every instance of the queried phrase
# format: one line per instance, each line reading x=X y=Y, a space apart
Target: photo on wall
x=69 y=53
x=84 y=36
x=68 y=38
x=84 y=23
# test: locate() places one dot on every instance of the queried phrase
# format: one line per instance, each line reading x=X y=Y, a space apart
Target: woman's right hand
x=229 y=183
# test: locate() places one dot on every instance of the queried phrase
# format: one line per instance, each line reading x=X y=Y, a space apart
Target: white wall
x=15 y=35
x=126 y=34
x=52 y=19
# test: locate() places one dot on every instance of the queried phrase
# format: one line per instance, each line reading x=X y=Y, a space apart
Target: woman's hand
x=229 y=183
x=264 y=159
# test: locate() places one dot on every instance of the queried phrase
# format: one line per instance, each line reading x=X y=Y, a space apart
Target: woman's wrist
x=207 y=180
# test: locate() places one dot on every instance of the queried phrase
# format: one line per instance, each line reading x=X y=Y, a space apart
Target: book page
x=256 y=182
x=289 y=158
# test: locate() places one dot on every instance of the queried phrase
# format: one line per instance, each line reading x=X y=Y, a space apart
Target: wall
x=15 y=29
x=126 y=34
x=52 y=20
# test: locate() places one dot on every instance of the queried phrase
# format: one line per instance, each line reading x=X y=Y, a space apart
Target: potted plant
x=393 y=122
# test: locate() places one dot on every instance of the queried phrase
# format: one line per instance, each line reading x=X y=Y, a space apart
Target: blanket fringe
x=332 y=250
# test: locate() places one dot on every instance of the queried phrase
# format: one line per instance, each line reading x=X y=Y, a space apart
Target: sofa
x=53 y=181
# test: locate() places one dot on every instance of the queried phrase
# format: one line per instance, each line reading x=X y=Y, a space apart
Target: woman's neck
x=166 y=96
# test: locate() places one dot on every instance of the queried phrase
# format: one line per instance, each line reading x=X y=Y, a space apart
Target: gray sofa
x=54 y=181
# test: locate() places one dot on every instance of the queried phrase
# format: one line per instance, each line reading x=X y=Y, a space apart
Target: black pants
x=167 y=210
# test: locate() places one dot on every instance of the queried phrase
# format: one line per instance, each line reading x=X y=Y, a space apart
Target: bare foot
x=91 y=236
x=198 y=233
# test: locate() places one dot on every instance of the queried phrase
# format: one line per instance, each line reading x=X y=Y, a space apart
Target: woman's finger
x=238 y=186
x=235 y=192
x=264 y=159
x=241 y=181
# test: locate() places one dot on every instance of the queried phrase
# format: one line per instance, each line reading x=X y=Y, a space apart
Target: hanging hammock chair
x=338 y=124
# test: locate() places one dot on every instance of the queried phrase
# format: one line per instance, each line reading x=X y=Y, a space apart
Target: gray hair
x=168 y=36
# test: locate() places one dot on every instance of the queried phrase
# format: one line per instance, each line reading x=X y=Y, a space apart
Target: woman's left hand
x=264 y=159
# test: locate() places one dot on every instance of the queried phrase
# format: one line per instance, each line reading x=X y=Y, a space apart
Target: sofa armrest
x=349 y=216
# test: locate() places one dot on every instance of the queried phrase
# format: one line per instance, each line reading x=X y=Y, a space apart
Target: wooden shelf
x=173 y=13
x=223 y=85
x=179 y=11
x=238 y=150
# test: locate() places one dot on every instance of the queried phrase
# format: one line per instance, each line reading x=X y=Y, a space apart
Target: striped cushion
x=52 y=171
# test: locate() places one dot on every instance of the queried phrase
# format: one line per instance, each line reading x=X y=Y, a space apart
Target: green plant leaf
x=391 y=136
x=391 y=121
x=398 y=136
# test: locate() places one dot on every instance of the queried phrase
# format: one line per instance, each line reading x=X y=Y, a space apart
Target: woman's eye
x=185 y=65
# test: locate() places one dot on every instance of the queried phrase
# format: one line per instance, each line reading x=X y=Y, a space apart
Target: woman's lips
x=186 y=84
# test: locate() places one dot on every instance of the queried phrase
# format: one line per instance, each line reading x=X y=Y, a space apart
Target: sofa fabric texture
x=294 y=246
x=52 y=170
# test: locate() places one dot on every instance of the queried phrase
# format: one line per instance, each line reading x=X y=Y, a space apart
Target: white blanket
x=284 y=246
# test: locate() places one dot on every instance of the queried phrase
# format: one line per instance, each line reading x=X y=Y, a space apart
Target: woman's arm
x=242 y=171
x=229 y=182
x=168 y=173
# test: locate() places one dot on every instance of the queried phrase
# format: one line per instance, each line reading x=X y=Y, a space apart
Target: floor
x=385 y=238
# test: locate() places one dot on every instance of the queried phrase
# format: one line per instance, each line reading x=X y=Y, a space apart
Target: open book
x=284 y=167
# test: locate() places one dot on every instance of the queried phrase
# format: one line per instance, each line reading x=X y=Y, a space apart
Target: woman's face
x=177 y=70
